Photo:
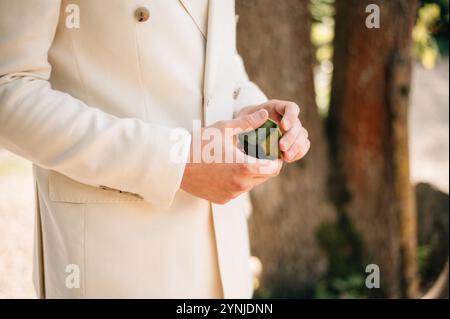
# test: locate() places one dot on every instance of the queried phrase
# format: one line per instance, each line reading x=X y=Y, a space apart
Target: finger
x=260 y=180
x=305 y=132
x=250 y=166
x=300 y=139
x=304 y=150
x=298 y=150
x=270 y=106
x=289 y=111
x=251 y=183
x=265 y=168
x=247 y=123
x=290 y=136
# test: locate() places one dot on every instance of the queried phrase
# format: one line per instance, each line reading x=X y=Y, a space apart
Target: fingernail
x=290 y=154
x=286 y=124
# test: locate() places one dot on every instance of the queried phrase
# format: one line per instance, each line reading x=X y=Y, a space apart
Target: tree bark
x=368 y=133
x=274 y=40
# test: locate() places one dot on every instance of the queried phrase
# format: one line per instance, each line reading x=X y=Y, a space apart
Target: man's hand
x=295 y=143
x=223 y=180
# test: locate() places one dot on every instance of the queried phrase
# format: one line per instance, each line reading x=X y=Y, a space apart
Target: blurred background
x=374 y=187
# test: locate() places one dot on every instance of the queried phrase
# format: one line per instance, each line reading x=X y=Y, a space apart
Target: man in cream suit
x=91 y=92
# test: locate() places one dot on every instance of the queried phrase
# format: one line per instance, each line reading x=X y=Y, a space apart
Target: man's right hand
x=221 y=181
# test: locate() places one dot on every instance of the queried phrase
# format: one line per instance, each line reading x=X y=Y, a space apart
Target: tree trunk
x=368 y=132
x=274 y=40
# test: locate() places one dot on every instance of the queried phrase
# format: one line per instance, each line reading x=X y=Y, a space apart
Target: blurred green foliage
x=349 y=287
x=345 y=277
x=439 y=28
x=321 y=8
x=430 y=34
x=423 y=255
x=322 y=29
x=322 y=35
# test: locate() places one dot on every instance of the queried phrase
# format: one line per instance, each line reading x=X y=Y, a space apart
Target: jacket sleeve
x=59 y=132
x=246 y=93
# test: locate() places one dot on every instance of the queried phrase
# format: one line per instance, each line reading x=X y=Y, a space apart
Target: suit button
x=142 y=14
x=236 y=93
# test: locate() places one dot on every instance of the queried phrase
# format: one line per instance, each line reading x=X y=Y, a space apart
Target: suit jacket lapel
x=216 y=30
x=198 y=11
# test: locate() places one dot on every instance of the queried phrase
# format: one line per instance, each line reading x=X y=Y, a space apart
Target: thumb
x=249 y=122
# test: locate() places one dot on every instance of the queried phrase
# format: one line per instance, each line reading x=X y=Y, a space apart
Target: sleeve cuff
x=248 y=94
x=166 y=170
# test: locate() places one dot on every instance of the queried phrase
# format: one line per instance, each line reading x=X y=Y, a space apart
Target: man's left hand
x=295 y=141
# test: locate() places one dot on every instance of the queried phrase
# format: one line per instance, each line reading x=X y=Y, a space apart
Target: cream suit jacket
x=94 y=109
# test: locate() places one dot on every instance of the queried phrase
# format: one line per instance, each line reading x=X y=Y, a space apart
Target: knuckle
x=295 y=147
x=248 y=121
x=305 y=145
x=290 y=137
x=244 y=169
x=305 y=132
x=242 y=187
x=221 y=125
x=305 y=149
x=308 y=145
x=238 y=185
x=294 y=106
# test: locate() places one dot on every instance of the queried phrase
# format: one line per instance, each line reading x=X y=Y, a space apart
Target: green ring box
x=262 y=143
